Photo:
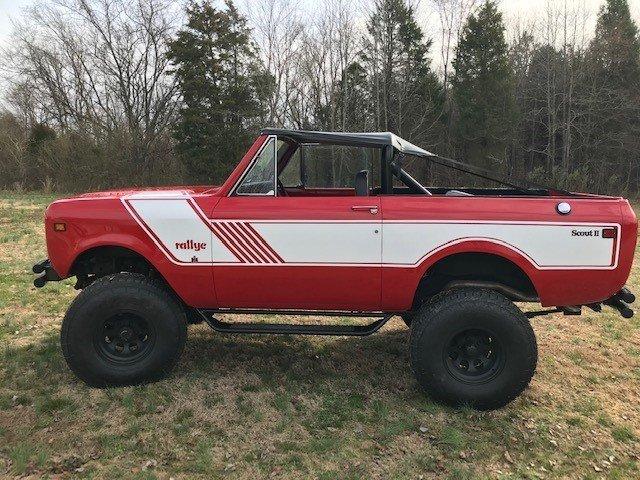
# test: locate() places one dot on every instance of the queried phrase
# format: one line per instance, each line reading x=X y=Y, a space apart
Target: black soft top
x=369 y=139
x=382 y=139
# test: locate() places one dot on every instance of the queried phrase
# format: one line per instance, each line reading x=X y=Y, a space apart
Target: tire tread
x=129 y=283
x=448 y=299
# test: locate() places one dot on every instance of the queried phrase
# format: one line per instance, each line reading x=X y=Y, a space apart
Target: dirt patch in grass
x=298 y=407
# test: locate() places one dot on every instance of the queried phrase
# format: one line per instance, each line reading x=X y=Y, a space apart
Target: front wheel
x=474 y=347
x=123 y=329
x=407 y=318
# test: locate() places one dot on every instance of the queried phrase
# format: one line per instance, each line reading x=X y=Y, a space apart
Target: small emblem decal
x=191 y=245
x=585 y=233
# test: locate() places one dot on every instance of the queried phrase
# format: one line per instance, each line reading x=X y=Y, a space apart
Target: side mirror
x=362 y=183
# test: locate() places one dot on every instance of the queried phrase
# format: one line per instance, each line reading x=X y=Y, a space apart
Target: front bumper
x=44 y=272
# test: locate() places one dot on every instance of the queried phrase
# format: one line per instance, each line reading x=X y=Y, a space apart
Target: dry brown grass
x=299 y=407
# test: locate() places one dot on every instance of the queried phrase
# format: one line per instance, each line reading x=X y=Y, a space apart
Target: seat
x=362 y=183
x=458 y=193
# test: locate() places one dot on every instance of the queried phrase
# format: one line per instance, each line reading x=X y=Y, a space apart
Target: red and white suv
x=326 y=223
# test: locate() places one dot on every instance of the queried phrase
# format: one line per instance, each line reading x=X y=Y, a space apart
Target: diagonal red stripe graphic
x=263 y=241
x=234 y=241
x=249 y=245
x=227 y=243
x=217 y=232
x=259 y=243
x=257 y=248
x=253 y=258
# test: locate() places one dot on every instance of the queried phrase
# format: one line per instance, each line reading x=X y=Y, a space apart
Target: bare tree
x=452 y=14
x=278 y=30
x=97 y=66
x=329 y=47
x=562 y=35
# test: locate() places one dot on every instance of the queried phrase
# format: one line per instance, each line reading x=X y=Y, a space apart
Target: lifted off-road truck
x=334 y=224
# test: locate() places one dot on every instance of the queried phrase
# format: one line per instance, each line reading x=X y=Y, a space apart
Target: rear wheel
x=472 y=346
x=123 y=329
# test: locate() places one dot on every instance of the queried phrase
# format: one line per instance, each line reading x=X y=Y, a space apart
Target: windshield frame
x=234 y=191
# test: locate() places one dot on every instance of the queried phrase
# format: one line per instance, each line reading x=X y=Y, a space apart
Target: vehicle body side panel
x=332 y=253
x=300 y=253
x=566 y=267
x=101 y=222
x=324 y=263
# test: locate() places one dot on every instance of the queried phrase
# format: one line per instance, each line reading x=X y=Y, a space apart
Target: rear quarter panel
x=565 y=268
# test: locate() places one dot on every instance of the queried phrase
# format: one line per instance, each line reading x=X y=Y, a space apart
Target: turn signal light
x=60 y=227
x=609 y=232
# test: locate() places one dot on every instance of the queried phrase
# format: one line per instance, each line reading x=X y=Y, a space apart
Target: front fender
x=94 y=224
x=106 y=223
x=114 y=240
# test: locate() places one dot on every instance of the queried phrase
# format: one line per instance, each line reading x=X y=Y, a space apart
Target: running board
x=293 y=329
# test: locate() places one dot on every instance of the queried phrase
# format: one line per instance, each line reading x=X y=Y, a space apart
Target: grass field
x=301 y=407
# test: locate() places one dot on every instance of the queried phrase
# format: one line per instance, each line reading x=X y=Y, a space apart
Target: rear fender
x=402 y=283
x=490 y=247
x=555 y=287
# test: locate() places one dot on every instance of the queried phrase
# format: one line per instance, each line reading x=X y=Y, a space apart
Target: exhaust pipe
x=626 y=296
x=617 y=302
x=619 y=305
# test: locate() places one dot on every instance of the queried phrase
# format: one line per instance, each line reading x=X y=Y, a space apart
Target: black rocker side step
x=293 y=329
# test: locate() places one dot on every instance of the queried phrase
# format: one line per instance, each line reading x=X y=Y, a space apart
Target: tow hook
x=620 y=302
x=44 y=273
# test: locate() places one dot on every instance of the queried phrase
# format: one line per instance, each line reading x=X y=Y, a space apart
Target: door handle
x=372 y=209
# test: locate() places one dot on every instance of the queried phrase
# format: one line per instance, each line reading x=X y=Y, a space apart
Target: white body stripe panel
x=546 y=245
x=172 y=218
x=173 y=222
x=310 y=242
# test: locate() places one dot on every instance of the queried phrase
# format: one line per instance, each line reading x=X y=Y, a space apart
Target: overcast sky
x=514 y=11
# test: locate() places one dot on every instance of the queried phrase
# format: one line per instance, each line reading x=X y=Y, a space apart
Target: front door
x=299 y=253
x=296 y=252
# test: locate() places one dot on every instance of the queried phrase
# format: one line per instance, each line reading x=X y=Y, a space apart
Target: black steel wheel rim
x=474 y=356
x=125 y=338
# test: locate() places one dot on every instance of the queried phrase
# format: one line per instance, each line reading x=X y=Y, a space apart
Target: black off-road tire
x=472 y=346
x=123 y=329
x=407 y=318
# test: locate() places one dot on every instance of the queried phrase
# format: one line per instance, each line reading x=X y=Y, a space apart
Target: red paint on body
x=262 y=280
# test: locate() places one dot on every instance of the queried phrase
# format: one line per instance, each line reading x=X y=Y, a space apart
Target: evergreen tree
x=39 y=140
x=223 y=89
x=482 y=86
x=39 y=135
x=612 y=97
x=352 y=98
x=615 y=48
x=406 y=94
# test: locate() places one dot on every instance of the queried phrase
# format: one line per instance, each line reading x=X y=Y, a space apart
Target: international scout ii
x=321 y=223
